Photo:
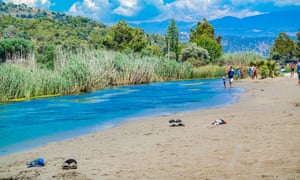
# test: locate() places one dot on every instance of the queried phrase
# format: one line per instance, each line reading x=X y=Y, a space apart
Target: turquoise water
x=28 y=124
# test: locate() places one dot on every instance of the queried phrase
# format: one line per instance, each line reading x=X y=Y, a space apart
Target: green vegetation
x=15 y=48
x=86 y=70
x=204 y=36
x=240 y=59
x=172 y=39
x=285 y=47
x=194 y=54
x=45 y=53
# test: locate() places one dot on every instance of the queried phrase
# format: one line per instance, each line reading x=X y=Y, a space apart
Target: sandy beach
x=261 y=140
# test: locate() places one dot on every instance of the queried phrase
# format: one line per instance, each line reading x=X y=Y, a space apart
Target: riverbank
x=260 y=141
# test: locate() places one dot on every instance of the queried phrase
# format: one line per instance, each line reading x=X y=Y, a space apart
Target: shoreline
x=261 y=140
x=40 y=140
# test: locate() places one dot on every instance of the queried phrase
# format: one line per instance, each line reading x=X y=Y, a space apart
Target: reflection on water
x=32 y=123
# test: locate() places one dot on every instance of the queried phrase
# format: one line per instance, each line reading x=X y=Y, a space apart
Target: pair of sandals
x=175 y=123
x=70 y=164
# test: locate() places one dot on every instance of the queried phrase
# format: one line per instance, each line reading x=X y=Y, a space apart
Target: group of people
x=253 y=72
x=230 y=73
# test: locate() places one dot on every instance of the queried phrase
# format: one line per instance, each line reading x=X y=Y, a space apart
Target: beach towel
x=36 y=163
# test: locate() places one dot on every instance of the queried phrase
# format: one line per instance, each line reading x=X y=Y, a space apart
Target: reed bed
x=85 y=70
x=241 y=58
x=209 y=71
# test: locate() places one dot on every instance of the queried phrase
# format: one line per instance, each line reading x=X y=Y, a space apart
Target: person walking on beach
x=237 y=73
x=298 y=71
x=292 y=66
x=255 y=72
x=230 y=76
x=251 y=72
x=242 y=72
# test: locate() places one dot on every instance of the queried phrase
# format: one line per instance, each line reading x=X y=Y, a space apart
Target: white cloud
x=96 y=9
x=279 y=3
x=181 y=10
x=32 y=3
x=127 y=8
x=287 y=2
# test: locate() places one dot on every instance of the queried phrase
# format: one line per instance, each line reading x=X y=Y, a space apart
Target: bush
x=195 y=54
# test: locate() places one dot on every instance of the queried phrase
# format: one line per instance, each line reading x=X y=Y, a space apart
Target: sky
x=139 y=11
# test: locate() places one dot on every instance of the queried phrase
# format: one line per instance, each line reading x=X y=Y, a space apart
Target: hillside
x=24 y=11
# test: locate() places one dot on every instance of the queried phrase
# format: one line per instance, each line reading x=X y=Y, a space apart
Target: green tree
x=172 y=39
x=195 y=54
x=15 y=47
x=45 y=55
x=122 y=37
x=204 y=36
x=283 y=46
x=138 y=41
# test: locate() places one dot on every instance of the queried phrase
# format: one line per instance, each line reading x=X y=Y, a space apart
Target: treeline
x=49 y=30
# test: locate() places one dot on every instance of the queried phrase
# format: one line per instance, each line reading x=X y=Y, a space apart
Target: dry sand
x=260 y=141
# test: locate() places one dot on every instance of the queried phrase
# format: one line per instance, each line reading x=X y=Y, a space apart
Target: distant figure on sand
x=230 y=76
x=298 y=71
x=224 y=81
x=238 y=73
x=255 y=72
x=251 y=72
x=242 y=72
x=292 y=66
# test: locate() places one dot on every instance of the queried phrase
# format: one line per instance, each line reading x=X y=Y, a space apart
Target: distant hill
x=24 y=11
x=48 y=29
x=255 y=33
x=44 y=25
x=270 y=24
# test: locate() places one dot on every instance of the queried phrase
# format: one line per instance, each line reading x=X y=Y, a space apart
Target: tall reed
x=209 y=71
x=85 y=70
x=240 y=58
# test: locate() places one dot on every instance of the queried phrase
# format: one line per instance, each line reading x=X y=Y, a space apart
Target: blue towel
x=36 y=163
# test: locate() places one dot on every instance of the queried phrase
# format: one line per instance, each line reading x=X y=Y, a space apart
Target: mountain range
x=255 y=33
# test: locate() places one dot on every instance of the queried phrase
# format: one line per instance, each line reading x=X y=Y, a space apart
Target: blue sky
x=137 y=11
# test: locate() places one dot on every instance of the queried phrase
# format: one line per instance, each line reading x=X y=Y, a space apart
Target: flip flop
x=178 y=121
x=172 y=121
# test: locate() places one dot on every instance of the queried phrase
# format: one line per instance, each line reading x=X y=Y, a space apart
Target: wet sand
x=260 y=141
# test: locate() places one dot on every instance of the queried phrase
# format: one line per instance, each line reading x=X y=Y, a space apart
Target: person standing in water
x=230 y=76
